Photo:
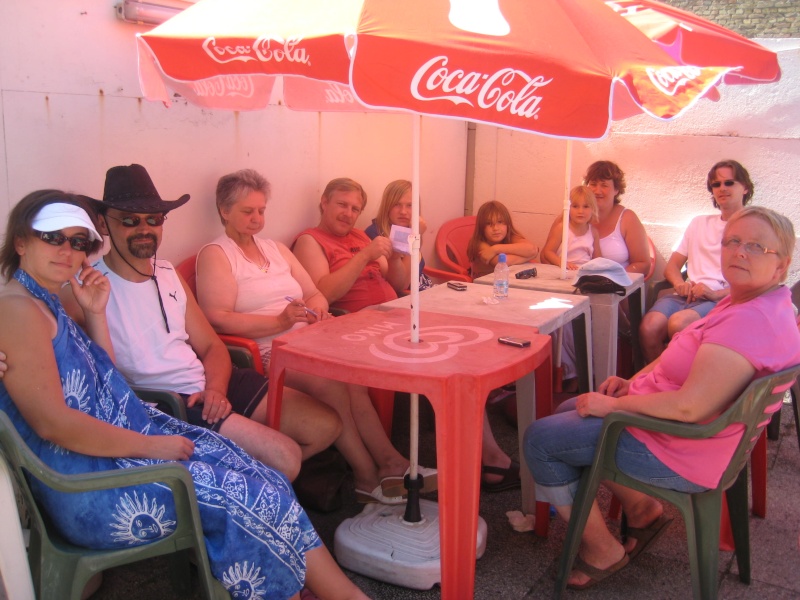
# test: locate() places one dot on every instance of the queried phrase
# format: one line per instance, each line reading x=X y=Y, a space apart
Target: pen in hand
x=308 y=310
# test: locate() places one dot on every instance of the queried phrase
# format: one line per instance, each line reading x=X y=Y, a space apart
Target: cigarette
x=305 y=308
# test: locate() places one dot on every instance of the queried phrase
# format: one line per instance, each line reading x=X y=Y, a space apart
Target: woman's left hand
x=319 y=305
x=93 y=289
x=594 y=404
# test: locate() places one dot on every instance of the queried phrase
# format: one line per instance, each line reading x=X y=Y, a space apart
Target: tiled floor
x=515 y=564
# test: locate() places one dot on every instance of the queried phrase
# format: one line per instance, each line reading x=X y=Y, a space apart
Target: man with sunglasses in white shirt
x=162 y=339
x=691 y=299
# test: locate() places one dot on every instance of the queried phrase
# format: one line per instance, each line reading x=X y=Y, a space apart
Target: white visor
x=59 y=215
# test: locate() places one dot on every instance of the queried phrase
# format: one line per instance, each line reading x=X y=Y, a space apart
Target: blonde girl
x=395 y=209
x=583 y=242
x=495 y=234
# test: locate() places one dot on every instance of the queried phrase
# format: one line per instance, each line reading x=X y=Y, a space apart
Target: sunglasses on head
x=726 y=183
x=56 y=238
x=134 y=220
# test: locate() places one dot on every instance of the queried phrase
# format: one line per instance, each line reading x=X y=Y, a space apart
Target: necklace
x=264 y=265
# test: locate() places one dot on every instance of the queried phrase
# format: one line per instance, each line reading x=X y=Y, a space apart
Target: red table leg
x=458 y=448
x=544 y=407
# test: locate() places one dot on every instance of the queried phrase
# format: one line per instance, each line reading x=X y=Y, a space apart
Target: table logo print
x=435 y=344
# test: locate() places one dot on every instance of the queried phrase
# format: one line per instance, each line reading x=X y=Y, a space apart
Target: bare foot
x=643 y=514
x=578 y=578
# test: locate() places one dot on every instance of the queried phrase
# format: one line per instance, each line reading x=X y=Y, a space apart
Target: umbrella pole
x=565 y=217
x=413 y=483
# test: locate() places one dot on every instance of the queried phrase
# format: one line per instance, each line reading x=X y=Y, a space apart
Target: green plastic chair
x=701 y=511
x=167 y=402
x=61 y=570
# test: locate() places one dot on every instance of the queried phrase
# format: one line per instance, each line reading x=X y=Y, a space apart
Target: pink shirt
x=371 y=287
x=763 y=331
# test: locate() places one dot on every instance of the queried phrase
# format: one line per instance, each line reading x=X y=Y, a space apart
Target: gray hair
x=782 y=227
x=233 y=186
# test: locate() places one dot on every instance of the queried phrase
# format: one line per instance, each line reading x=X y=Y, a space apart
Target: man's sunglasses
x=56 y=238
x=134 y=220
x=526 y=274
x=726 y=183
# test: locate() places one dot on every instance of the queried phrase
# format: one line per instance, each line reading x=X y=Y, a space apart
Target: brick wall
x=750 y=18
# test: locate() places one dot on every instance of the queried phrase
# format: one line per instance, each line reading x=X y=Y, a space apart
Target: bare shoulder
x=305 y=242
x=629 y=217
x=283 y=248
x=21 y=310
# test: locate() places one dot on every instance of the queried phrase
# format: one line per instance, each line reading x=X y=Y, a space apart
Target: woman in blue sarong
x=78 y=415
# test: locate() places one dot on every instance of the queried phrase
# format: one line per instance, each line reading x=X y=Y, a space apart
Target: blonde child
x=583 y=242
x=495 y=234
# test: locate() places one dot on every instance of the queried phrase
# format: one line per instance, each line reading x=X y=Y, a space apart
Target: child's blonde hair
x=584 y=192
x=489 y=212
x=392 y=195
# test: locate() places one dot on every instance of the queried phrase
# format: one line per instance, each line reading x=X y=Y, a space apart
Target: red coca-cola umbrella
x=555 y=67
x=562 y=68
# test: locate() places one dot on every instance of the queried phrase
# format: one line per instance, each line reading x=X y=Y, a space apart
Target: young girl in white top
x=583 y=241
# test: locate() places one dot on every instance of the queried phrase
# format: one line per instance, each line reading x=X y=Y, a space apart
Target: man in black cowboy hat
x=163 y=340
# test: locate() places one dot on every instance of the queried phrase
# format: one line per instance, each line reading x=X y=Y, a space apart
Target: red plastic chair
x=451 y=249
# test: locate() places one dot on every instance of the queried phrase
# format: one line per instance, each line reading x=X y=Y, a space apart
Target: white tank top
x=145 y=353
x=613 y=246
x=579 y=247
x=260 y=292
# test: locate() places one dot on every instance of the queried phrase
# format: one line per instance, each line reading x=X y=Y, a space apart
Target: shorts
x=670 y=304
x=246 y=389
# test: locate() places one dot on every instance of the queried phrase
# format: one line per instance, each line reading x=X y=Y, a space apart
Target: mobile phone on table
x=457 y=286
x=514 y=341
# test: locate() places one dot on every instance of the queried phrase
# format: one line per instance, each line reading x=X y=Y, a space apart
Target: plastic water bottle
x=501 y=278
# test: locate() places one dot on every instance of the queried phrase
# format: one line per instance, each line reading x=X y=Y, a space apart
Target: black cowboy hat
x=130 y=189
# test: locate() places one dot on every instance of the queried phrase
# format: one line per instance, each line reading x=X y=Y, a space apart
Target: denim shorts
x=558 y=448
x=670 y=304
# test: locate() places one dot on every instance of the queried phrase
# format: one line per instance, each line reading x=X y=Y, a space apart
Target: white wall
x=70 y=108
x=665 y=164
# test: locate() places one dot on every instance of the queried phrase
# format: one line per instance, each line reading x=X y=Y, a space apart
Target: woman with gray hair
x=256 y=288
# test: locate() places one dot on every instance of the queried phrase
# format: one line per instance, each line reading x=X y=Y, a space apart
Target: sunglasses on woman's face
x=726 y=183
x=134 y=220
x=56 y=238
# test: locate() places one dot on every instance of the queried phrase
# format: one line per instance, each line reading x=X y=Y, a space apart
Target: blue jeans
x=558 y=448
x=670 y=304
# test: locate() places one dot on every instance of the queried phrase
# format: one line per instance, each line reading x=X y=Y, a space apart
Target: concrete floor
x=515 y=564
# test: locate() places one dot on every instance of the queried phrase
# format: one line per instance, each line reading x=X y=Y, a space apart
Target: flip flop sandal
x=595 y=575
x=646 y=536
x=395 y=486
x=509 y=481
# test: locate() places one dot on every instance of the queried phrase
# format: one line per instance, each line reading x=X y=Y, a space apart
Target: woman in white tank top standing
x=622 y=236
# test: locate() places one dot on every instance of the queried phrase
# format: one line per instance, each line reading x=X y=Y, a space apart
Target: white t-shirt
x=145 y=353
x=701 y=244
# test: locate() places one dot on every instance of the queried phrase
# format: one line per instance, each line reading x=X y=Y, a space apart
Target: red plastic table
x=456 y=364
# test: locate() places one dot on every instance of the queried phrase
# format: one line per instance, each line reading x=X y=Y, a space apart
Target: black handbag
x=318 y=486
x=598 y=284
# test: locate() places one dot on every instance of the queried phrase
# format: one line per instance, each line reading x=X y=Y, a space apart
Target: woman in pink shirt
x=749 y=334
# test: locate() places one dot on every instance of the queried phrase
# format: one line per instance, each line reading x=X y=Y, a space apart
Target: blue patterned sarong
x=256 y=533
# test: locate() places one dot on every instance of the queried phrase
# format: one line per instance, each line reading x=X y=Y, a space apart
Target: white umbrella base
x=378 y=543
